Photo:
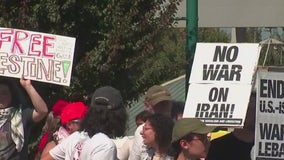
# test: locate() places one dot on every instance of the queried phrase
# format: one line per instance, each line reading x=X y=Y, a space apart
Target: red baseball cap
x=58 y=107
x=72 y=111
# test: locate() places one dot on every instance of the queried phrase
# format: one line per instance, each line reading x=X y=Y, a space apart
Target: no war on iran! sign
x=36 y=56
x=221 y=82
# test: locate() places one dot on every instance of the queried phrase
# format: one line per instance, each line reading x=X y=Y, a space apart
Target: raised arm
x=40 y=107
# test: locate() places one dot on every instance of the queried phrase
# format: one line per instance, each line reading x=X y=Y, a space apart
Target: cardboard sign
x=36 y=56
x=269 y=134
x=221 y=83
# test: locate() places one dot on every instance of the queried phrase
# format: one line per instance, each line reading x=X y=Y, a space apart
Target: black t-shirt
x=228 y=147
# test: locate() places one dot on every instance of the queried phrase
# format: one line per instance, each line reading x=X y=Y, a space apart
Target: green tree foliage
x=212 y=35
x=114 y=42
x=253 y=35
x=130 y=45
x=127 y=44
x=272 y=53
x=114 y=39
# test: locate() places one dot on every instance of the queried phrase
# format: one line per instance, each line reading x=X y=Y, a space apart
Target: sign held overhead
x=36 y=56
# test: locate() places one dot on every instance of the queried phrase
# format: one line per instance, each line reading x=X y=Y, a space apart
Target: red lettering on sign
x=19 y=36
x=5 y=35
x=46 y=45
x=34 y=42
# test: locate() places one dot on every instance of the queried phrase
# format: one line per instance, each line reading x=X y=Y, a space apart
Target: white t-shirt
x=123 y=146
x=99 y=147
x=70 y=148
x=138 y=147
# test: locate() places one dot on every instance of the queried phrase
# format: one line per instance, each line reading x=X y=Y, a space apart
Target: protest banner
x=36 y=56
x=221 y=82
x=269 y=135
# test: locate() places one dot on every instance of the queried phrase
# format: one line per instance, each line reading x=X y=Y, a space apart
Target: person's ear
x=183 y=143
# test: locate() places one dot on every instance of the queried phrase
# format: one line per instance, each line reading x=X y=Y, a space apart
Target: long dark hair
x=163 y=126
x=99 y=118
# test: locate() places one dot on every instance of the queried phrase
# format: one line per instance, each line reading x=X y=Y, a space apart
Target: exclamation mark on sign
x=66 y=66
x=232 y=110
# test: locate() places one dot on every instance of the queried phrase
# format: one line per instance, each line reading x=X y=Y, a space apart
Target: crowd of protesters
x=96 y=131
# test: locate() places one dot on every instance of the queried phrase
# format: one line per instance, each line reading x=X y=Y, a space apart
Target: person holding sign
x=16 y=120
x=236 y=145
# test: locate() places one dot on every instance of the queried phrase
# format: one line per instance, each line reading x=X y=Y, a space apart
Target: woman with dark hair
x=111 y=113
x=16 y=119
x=109 y=122
x=105 y=118
x=156 y=134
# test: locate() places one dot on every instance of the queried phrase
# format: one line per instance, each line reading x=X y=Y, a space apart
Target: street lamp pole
x=191 y=36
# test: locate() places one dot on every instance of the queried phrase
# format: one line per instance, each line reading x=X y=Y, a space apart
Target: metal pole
x=191 y=36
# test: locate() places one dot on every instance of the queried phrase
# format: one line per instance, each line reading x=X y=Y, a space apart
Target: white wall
x=237 y=13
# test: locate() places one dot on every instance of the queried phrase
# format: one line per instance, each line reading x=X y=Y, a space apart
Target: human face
x=148 y=134
x=5 y=96
x=73 y=126
x=197 y=146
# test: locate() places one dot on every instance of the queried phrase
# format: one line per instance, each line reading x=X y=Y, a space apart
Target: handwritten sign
x=269 y=134
x=221 y=83
x=37 y=56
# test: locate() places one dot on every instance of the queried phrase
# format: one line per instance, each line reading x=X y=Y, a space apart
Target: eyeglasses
x=204 y=138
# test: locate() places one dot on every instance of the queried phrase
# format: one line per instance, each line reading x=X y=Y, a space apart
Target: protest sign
x=217 y=104
x=224 y=63
x=36 y=56
x=269 y=135
x=221 y=82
